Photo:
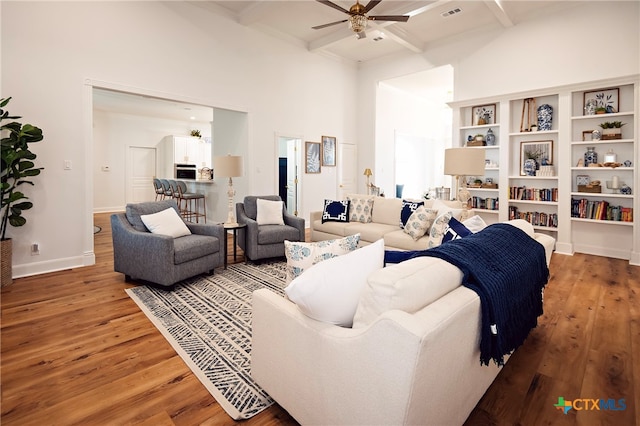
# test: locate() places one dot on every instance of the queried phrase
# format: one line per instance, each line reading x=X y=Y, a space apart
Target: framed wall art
x=601 y=101
x=534 y=154
x=312 y=157
x=328 y=151
x=483 y=114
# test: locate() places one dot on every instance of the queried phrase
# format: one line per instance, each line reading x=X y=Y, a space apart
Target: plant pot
x=6 y=251
x=609 y=134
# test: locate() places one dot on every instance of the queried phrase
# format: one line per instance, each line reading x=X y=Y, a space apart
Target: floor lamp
x=229 y=166
x=461 y=162
x=368 y=174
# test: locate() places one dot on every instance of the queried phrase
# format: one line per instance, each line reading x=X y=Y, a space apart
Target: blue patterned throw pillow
x=456 y=230
x=301 y=256
x=335 y=211
x=408 y=207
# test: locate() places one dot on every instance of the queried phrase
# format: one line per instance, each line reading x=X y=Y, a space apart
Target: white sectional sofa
x=415 y=362
x=385 y=224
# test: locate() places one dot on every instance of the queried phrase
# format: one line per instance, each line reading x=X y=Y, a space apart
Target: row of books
x=484 y=203
x=535 y=218
x=600 y=210
x=533 y=194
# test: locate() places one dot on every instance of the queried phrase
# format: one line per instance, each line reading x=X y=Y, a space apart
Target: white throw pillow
x=443 y=208
x=302 y=256
x=523 y=225
x=475 y=224
x=269 y=212
x=329 y=291
x=408 y=286
x=165 y=222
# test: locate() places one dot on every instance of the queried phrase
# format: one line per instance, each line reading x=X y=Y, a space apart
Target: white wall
x=113 y=133
x=564 y=45
x=174 y=50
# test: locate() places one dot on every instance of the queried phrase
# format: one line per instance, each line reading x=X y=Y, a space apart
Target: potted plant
x=611 y=130
x=601 y=110
x=17 y=168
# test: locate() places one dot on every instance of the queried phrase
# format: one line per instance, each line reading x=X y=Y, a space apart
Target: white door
x=141 y=169
x=348 y=174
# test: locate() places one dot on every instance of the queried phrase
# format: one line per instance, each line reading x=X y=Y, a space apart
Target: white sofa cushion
x=165 y=222
x=475 y=224
x=301 y=256
x=329 y=291
x=408 y=286
x=386 y=210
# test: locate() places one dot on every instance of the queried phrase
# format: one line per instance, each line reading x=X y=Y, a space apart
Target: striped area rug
x=207 y=320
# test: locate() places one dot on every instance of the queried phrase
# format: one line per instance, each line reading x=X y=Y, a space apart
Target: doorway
x=289 y=180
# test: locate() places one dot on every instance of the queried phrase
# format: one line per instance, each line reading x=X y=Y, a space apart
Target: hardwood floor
x=76 y=349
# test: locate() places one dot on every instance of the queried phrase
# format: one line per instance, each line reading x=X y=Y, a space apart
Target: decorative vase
x=490 y=138
x=596 y=135
x=590 y=107
x=6 y=273
x=530 y=166
x=591 y=156
x=545 y=117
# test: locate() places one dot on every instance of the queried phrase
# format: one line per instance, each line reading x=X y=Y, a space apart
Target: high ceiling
x=429 y=22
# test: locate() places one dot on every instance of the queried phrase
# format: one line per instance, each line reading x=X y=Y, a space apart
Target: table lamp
x=461 y=162
x=229 y=166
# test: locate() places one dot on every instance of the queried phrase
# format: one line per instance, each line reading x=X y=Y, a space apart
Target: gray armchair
x=265 y=241
x=160 y=259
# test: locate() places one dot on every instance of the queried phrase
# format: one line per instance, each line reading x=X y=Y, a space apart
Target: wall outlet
x=35 y=249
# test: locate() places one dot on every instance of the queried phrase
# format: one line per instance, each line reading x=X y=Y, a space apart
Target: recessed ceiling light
x=193 y=118
x=451 y=12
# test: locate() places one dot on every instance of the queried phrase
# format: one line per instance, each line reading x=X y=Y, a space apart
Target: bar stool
x=166 y=188
x=192 y=203
x=157 y=186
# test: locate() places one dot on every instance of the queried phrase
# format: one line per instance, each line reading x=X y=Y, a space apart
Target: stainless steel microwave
x=184 y=171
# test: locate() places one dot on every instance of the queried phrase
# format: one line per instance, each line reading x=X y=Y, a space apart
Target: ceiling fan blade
x=371 y=5
x=317 y=27
x=398 y=18
x=333 y=5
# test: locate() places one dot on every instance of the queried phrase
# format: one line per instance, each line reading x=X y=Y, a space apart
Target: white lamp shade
x=464 y=161
x=228 y=166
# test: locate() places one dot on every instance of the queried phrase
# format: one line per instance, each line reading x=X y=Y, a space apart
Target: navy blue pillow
x=456 y=230
x=335 y=211
x=408 y=207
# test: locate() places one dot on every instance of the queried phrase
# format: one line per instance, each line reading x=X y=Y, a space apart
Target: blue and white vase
x=545 y=117
x=530 y=166
x=591 y=156
x=490 y=138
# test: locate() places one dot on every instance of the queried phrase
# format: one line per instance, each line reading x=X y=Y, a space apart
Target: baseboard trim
x=37 y=268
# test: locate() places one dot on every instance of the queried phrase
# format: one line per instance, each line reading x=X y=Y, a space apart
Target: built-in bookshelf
x=587 y=208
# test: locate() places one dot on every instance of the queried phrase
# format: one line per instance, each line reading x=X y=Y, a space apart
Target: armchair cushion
x=273 y=234
x=269 y=212
x=193 y=247
x=167 y=222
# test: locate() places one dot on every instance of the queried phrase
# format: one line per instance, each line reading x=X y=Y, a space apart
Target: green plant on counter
x=611 y=124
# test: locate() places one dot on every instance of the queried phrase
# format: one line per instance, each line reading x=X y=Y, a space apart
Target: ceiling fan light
x=357 y=23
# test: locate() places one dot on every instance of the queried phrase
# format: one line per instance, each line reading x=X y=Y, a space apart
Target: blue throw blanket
x=508 y=270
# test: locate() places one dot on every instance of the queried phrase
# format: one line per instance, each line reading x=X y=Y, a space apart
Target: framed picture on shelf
x=534 y=154
x=483 y=114
x=587 y=135
x=601 y=101
x=328 y=151
x=312 y=157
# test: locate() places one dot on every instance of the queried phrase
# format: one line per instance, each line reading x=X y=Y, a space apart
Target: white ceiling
x=292 y=20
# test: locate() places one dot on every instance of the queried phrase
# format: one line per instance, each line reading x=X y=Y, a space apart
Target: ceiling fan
x=358 y=16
